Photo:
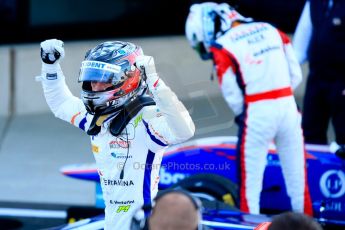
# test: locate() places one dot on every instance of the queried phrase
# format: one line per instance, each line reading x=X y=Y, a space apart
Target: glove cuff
x=51 y=71
x=51 y=68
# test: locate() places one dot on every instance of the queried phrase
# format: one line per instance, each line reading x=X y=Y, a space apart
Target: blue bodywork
x=326 y=175
x=217 y=155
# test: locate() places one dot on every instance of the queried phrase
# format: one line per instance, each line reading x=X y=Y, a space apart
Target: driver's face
x=100 y=86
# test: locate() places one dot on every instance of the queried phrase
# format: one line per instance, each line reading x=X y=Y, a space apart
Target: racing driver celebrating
x=129 y=113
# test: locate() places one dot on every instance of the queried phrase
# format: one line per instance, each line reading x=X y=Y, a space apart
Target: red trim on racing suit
x=257 y=72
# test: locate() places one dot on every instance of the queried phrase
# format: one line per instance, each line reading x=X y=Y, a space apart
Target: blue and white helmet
x=110 y=62
x=207 y=21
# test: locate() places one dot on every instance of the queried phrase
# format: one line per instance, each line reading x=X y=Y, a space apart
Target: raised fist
x=52 y=51
x=146 y=64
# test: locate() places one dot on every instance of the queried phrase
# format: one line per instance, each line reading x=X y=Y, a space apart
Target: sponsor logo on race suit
x=137 y=120
x=119 y=143
x=95 y=148
x=123 y=208
x=121 y=202
x=120 y=155
x=252 y=31
x=118 y=182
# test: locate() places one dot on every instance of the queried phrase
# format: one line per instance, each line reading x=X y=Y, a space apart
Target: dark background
x=25 y=21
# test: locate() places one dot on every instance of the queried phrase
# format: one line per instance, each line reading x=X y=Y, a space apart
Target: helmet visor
x=100 y=72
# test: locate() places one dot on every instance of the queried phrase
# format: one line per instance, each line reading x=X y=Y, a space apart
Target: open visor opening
x=100 y=72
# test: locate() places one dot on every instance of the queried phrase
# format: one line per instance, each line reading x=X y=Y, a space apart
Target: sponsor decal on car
x=168 y=178
x=332 y=183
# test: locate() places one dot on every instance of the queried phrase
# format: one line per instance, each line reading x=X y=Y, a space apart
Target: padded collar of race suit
x=124 y=115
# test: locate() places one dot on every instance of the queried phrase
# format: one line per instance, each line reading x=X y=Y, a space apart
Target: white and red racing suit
x=142 y=143
x=257 y=72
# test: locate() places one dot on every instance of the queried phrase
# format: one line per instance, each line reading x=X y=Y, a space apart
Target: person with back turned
x=257 y=72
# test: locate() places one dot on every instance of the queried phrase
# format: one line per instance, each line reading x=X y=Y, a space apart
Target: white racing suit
x=257 y=72
x=142 y=142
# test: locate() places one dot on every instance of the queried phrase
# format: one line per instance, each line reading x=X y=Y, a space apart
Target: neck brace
x=122 y=116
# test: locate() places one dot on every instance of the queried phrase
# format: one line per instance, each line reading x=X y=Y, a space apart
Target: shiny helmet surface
x=111 y=63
